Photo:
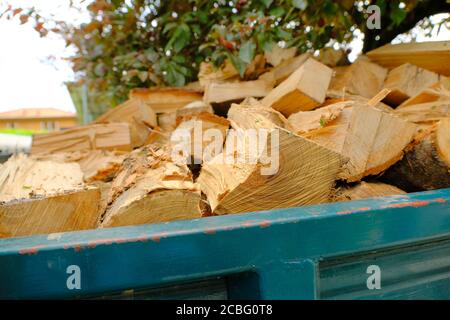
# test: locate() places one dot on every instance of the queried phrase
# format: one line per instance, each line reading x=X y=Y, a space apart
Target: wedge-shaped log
x=236 y=91
x=110 y=136
x=428 y=112
x=284 y=170
x=426 y=164
x=70 y=211
x=433 y=55
x=439 y=91
x=38 y=197
x=362 y=78
x=372 y=139
x=366 y=190
x=139 y=116
x=163 y=100
x=283 y=70
x=151 y=189
x=407 y=80
x=200 y=135
x=305 y=89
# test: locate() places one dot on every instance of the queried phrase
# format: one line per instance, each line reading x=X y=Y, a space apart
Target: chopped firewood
x=426 y=164
x=97 y=165
x=38 y=197
x=429 y=112
x=137 y=114
x=303 y=122
x=277 y=55
x=256 y=67
x=194 y=134
x=366 y=190
x=439 y=91
x=405 y=81
x=235 y=91
x=372 y=139
x=333 y=58
x=432 y=56
x=68 y=211
x=279 y=170
x=304 y=90
x=23 y=177
x=362 y=78
x=169 y=121
x=109 y=136
x=335 y=97
x=209 y=73
x=163 y=100
x=282 y=71
x=150 y=188
x=256 y=116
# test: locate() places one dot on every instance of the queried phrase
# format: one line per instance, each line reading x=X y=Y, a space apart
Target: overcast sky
x=28 y=80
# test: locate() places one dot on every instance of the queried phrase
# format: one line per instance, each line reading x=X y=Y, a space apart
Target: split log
x=169 y=121
x=366 y=190
x=335 y=97
x=39 y=197
x=111 y=136
x=432 y=56
x=407 y=80
x=426 y=164
x=96 y=165
x=333 y=58
x=277 y=55
x=23 y=177
x=372 y=139
x=195 y=139
x=305 y=89
x=252 y=115
x=429 y=112
x=150 y=188
x=228 y=92
x=209 y=73
x=163 y=100
x=362 y=78
x=282 y=71
x=439 y=91
x=137 y=114
x=279 y=170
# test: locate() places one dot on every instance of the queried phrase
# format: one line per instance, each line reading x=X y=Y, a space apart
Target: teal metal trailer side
x=316 y=252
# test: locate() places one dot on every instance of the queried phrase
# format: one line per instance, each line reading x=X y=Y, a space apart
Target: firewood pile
x=305 y=130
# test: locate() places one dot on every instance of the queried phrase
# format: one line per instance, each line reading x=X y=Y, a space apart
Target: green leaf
x=237 y=63
x=397 y=15
x=180 y=38
x=277 y=11
x=300 y=4
x=267 y=3
x=247 y=52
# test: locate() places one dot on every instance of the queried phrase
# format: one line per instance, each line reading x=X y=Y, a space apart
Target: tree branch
x=389 y=31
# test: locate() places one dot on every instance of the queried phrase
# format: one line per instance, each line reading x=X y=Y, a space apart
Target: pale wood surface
x=167 y=99
x=439 y=91
x=149 y=189
x=110 y=136
x=231 y=91
x=303 y=90
x=434 y=56
x=367 y=136
x=407 y=80
x=366 y=190
x=362 y=78
x=137 y=114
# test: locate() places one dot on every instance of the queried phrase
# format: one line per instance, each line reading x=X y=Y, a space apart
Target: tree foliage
x=143 y=43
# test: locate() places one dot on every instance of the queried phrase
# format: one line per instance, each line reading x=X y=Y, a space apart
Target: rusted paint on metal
x=353 y=211
x=31 y=250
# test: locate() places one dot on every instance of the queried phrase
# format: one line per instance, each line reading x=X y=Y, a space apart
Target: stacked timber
x=295 y=130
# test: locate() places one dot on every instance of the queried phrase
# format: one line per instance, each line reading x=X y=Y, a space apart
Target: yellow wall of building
x=39 y=124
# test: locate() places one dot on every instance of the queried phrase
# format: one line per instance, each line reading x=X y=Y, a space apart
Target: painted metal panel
x=279 y=254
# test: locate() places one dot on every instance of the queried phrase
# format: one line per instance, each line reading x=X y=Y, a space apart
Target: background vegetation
x=144 y=43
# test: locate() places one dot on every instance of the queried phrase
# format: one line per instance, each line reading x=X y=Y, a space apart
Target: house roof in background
x=36 y=113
